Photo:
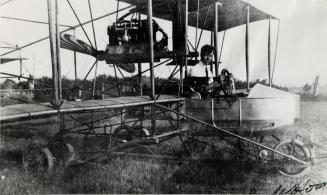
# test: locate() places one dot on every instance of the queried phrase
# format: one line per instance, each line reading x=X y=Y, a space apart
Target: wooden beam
x=247 y=48
x=269 y=49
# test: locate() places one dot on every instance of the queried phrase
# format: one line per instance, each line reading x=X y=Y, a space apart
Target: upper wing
x=231 y=14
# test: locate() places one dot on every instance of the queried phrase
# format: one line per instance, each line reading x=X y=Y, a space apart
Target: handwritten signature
x=297 y=188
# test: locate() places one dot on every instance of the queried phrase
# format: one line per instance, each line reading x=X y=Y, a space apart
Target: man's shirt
x=201 y=70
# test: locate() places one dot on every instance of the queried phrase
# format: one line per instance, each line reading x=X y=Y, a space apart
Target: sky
x=302 y=40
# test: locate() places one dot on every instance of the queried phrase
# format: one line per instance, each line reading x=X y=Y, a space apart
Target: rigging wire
x=197 y=22
x=272 y=75
x=14 y=46
x=70 y=5
x=6 y=2
x=204 y=24
x=221 y=47
x=32 y=21
x=96 y=47
x=68 y=29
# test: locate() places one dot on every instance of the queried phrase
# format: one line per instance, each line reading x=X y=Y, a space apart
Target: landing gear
x=37 y=158
x=296 y=149
x=194 y=146
x=63 y=153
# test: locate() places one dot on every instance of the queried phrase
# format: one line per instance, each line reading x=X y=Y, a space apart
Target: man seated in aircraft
x=201 y=74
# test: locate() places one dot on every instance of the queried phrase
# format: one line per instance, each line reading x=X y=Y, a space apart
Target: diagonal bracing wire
x=204 y=24
x=70 y=5
x=96 y=47
x=68 y=29
x=272 y=75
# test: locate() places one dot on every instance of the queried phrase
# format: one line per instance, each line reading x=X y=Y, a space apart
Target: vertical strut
x=58 y=51
x=269 y=49
x=216 y=39
x=186 y=36
x=150 y=29
x=139 y=69
x=247 y=48
x=54 y=48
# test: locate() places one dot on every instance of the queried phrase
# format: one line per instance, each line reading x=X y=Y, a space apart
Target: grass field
x=144 y=175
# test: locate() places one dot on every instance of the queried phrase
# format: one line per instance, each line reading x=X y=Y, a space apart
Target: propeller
x=72 y=43
x=6 y=60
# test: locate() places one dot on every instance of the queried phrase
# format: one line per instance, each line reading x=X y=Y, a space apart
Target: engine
x=131 y=36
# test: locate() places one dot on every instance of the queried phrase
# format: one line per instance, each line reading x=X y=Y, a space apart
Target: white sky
x=300 y=54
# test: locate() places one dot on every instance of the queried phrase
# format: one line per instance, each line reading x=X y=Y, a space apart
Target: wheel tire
x=37 y=158
x=122 y=134
x=64 y=153
x=294 y=148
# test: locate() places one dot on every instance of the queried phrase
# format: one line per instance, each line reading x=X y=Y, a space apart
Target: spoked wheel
x=296 y=149
x=195 y=146
x=64 y=153
x=122 y=134
x=37 y=158
x=125 y=134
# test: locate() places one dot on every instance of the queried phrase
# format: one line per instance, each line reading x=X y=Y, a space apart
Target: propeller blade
x=6 y=60
x=130 y=68
x=72 y=43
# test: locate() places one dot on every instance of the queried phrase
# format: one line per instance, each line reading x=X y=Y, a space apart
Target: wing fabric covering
x=231 y=14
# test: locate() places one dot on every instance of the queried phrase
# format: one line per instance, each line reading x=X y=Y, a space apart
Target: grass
x=144 y=175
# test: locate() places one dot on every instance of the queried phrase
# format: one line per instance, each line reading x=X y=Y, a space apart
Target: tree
x=8 y=84
x=307 y=87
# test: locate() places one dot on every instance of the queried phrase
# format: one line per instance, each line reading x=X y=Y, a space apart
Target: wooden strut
x=216 y=40
x=151 y=64
x=234 y=135
x=247 y=48
x=157 y=139
x=269 y=49
x=55 y=50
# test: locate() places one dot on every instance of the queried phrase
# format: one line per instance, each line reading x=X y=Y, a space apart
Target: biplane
x=130 y=124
